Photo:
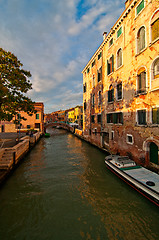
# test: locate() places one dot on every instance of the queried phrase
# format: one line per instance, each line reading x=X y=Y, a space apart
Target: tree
x=14 y=84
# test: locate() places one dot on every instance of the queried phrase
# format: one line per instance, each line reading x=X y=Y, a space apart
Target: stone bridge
x=60 y=125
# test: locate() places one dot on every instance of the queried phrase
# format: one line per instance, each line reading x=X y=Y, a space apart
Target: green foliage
x=14 y=85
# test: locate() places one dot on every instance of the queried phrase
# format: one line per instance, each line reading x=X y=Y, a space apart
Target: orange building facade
x=121 y=86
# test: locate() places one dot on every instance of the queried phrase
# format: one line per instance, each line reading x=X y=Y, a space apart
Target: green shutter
x=119 y=32
x=140 y=7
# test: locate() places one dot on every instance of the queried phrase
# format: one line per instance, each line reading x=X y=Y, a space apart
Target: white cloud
x=54 y=42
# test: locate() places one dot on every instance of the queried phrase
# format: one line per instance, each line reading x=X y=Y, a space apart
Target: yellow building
x=121 y=86
x=71 y=115
x=79 y=115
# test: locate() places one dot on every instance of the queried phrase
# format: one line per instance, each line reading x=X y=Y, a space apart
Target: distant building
x=35 y=121
x=121 y=86
x=79 y=116
x=71 y=115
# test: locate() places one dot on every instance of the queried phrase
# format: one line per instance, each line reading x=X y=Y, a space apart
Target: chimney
x=104 y=35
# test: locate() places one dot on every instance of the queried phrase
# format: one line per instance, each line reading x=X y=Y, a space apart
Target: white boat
x=141 y=179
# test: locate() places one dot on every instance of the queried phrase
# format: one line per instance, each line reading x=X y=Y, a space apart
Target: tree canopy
x=14 y=84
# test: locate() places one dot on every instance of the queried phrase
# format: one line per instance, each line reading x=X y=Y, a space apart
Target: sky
x=54 y=40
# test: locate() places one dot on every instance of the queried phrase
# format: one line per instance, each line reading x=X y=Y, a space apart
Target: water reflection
x=63 y=191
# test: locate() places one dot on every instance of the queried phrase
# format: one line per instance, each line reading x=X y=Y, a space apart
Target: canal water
x=63 y=191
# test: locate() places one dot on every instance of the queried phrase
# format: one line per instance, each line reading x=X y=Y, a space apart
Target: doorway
x=154 y=153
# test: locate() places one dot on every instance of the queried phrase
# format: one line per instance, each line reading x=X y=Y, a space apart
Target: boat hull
x=147 y=192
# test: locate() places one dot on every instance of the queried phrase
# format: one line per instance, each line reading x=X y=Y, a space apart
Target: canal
x=62 y=190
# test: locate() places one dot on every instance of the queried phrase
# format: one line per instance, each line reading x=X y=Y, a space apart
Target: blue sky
x=54 y=39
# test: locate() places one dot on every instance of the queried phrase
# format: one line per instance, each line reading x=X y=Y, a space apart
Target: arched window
x=141 y=39
x=155 y=74
x=155 y=26
x=119 y=58
x=141 y=81
x=156 y=69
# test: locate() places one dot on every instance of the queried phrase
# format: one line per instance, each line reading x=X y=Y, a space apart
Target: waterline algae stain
x=62 y=190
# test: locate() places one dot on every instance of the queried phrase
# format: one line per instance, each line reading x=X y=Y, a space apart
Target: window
x=140 y=7
x=155 y=115
x=111 y=42
x=111 y=94
x=141 y=39
x=88 y=70
x=129 y=139
x=93 y=80
x=110 y=118
x=119 y=32
x=99 y=55
x=115 y=118
x=85 y=105
x=37 y=115
x=119 y=91
x=110 y=65
x=93 y=63
x=112 y=135
x=84 y=87
x=93 y=100
x=141 y=117
x=93 y=119
x=118 y=117
x=141 y=82
x=156 y=69
x=100 y=74
x=99 y=118
x=155 y=26
x=119 y=58
x=99 y=98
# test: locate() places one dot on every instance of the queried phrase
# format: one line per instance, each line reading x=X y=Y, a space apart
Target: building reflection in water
x=119 y=207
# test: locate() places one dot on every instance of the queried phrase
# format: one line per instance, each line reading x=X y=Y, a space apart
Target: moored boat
x=141 y=179
x=47 y=135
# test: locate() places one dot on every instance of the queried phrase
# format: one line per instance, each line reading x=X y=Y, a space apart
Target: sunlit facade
x=121 y=86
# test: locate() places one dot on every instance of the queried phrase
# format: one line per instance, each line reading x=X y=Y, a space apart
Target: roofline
x=120 y=19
